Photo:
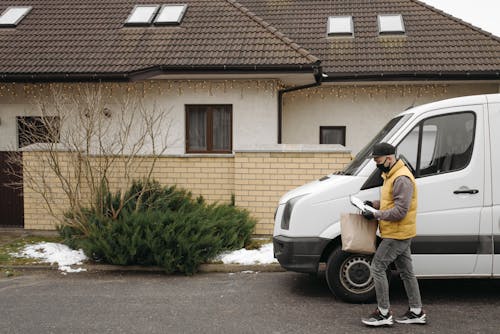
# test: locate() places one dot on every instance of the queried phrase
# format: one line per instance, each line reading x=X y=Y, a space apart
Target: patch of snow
x=249 y=272
x=263 y=255
x=52 y=252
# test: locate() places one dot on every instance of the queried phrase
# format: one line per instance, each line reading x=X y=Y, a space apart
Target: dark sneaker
x=411 y=318
x=377 y=319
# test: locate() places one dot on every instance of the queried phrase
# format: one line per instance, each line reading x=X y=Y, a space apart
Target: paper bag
x=358 y=234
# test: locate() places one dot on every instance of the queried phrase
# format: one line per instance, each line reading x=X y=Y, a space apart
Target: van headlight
x=287 y=212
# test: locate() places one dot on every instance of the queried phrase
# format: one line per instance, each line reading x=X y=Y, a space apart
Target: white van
x=453 y=148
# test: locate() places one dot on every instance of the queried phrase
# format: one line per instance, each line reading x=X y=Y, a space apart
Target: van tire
x=349 y=278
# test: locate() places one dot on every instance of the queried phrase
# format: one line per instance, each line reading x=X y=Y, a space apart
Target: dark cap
x=381 y=149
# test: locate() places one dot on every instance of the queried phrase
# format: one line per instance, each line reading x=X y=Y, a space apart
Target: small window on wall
x=209 y=128
x=33 y=129
x=332 y=135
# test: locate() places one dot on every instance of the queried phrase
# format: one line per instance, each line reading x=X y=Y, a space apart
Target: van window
x=409 y=146
x=365 y=154
x=445 y=144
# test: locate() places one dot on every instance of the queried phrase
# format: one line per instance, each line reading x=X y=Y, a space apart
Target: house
x=262 y=96
x=380 y=58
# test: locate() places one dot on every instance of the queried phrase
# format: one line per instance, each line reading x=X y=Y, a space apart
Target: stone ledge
x=284 y=148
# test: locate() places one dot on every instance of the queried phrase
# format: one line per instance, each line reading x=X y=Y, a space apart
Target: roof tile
x=434 y=41
x=90 y=36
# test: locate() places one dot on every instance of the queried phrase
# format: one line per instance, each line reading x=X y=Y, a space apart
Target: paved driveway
x=285 y=302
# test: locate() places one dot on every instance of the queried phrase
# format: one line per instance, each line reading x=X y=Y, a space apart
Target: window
x=142 y=15
x=391 y=24
x=171 y=14
x=13 y=15
x=209 y=128
x=332 y=135
x=364 y=155
x=33 y=130
x=340 y=26
x=440 y=144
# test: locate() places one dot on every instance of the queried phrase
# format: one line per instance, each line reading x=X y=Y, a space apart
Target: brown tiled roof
x=435 y=44
x=82 y=37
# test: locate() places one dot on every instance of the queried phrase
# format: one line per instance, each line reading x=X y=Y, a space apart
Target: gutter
x=412 y=76
x=147 y=73
x=318 y=76
x=64 y=77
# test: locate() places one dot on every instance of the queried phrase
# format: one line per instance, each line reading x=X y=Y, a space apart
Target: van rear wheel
x=349 y=278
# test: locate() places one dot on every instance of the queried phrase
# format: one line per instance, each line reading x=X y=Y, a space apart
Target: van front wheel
x=349 y=278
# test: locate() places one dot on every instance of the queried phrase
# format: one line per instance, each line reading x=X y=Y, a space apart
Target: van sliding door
x=446 y=150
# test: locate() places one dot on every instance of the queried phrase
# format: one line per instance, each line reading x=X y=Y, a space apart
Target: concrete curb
x=231 y=268
x=204 y=268
x=30 y=267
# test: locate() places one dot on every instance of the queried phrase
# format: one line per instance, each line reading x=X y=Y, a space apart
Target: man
x=397 y=212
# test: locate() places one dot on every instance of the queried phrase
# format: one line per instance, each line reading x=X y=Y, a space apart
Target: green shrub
x=164 y=227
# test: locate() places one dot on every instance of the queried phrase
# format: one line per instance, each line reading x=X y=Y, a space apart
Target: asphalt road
x=283 y=302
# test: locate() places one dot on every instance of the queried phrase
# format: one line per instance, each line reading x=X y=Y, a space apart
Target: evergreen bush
x=163 y=226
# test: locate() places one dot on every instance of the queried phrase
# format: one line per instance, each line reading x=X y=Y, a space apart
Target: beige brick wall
x=257 y=179
x=44 y=184
x=260 y=179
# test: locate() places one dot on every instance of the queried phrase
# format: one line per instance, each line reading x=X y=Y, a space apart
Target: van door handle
x=466 y=191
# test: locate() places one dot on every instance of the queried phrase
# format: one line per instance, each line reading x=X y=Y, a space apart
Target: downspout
x=318 y=76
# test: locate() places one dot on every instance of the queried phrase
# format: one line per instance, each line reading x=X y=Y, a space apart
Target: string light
x=355 y=92
x=222 y=87
x=145 y=88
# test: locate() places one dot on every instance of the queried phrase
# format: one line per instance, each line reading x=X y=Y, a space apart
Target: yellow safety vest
x=407 y=227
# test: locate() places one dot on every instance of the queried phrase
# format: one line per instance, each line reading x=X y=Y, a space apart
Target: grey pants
x=397 y=251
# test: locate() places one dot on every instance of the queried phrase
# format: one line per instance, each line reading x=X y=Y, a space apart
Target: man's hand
x=368 y=214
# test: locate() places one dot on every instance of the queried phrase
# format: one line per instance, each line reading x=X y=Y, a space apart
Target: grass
x=15 y=245
x=256 y=243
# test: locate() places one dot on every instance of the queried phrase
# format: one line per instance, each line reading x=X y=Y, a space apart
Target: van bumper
x=299 y=254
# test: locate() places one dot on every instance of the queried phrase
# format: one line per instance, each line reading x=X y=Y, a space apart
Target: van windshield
x=364 y=155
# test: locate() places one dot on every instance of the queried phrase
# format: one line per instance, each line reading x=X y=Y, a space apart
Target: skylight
x=391 y=24
x=340 y=26
x=142 y=15
x=171 y=14
x=13 y=15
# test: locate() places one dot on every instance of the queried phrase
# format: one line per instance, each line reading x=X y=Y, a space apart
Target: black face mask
x=383 y=168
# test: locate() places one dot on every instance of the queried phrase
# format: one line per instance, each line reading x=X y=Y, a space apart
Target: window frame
x=381 y=32
x=420 y=126
x=209 y=128
x=19 y=19
x=142 y=23
x=333 y=127
x=165 y=7
x=331 y=20
x=374 y=180
x=42 y=121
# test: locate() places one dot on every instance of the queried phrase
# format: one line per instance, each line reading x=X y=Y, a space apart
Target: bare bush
x=89 y=139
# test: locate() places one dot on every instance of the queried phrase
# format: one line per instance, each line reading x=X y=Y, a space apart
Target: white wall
x=11 y=106
x=364 y=110
x=254 y=106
